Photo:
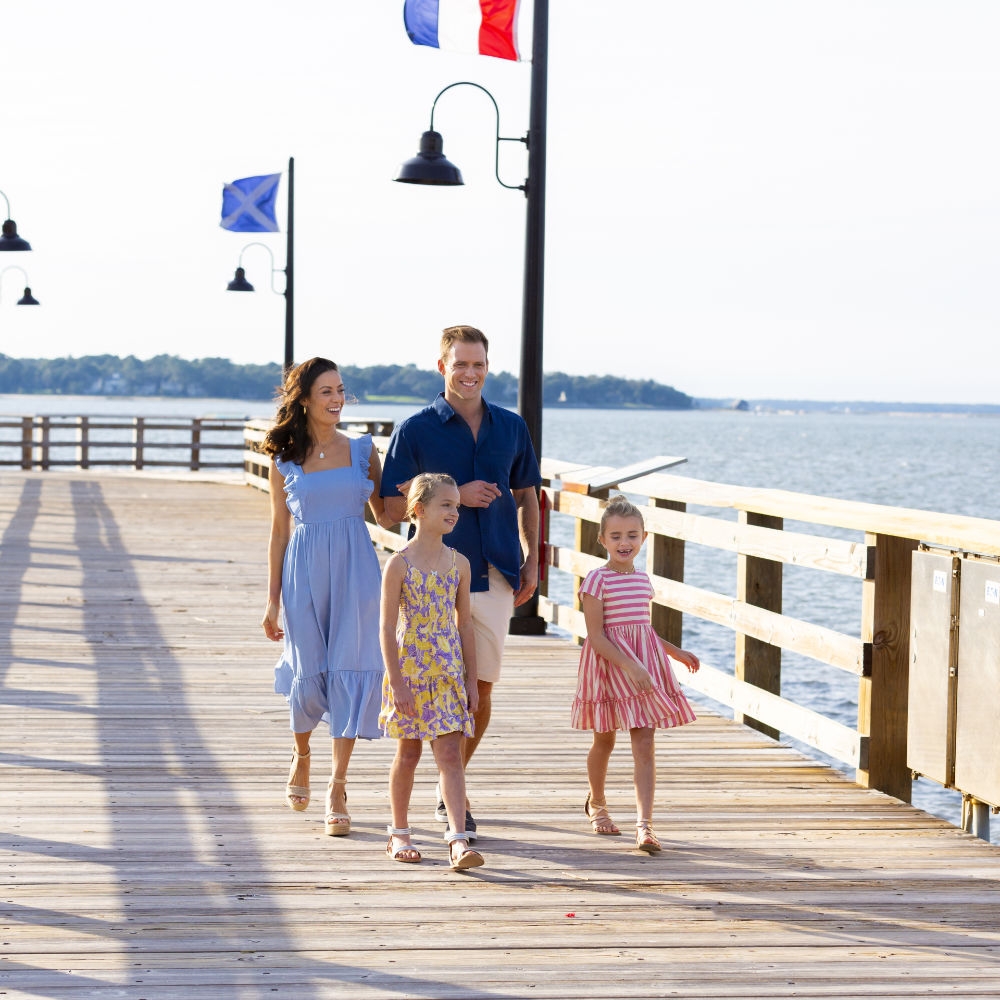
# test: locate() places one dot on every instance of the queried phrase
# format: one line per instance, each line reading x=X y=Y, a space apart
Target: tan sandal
x=293 y=792
x=337 y=824
x=406 y=853
x=467 y=857
x=645 y=839
x=600 y=818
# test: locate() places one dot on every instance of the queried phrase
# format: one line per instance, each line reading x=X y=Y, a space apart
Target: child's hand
x=639 y=676
x=690 y=661
x=402 y=697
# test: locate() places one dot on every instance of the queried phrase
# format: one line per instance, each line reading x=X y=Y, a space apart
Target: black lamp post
x=430 y=166
x=9 y=240
x=240 y=283
x=27 y=299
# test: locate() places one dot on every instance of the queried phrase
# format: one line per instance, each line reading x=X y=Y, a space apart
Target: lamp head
x=239 y=282
x=28 y=299
x=9 y=240
x=430 y=165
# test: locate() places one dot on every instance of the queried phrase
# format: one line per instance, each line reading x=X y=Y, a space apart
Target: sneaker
x=440 y=813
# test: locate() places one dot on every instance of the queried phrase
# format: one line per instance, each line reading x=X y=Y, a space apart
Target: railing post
x=667 y=560
x=196 y=444
x=27 y=442
x=138 y=438
x=883 y=694
x=43 y=436
x=758 y=582
x=586 y=541
x=83 y=442
x=544 y=538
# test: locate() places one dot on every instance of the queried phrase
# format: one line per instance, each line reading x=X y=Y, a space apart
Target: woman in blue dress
x=323 y=578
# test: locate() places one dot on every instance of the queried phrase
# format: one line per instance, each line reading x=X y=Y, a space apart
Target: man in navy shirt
x=488 y=452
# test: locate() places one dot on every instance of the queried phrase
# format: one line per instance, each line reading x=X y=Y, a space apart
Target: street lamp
x=27 y=299
x=9 y=240
x=240 y=283
x=430 y=166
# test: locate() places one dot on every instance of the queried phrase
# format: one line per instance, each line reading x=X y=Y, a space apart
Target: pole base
x=527 y=625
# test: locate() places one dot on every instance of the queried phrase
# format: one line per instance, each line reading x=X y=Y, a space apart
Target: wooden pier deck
x=146 y=851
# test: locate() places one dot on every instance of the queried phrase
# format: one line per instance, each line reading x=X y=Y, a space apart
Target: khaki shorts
x=491 y=611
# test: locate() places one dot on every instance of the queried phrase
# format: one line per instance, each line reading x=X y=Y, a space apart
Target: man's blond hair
x=452 y=335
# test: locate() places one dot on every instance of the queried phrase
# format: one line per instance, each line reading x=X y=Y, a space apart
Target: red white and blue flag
x=486 y=27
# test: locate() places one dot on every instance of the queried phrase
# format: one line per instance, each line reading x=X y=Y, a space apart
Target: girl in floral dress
x=625 y=680
x=429 y=691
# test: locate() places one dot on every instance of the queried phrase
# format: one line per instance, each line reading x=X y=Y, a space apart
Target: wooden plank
x=597 y=478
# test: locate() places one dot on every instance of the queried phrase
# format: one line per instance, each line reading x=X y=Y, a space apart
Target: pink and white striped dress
x=605 y=697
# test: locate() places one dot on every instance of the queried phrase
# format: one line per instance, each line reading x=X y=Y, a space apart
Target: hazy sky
x=745 y=197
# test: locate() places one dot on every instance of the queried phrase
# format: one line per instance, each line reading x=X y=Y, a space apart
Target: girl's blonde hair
x=620 y=506
x=423 y=488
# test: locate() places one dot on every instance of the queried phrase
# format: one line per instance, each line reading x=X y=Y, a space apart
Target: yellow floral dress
x=430 y=657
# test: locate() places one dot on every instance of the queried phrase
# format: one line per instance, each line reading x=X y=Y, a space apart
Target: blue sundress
x=331 y=668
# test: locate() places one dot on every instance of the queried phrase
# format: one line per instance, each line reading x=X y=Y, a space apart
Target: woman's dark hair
x=288 y=438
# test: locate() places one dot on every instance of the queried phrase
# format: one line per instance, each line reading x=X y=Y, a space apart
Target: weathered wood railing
x=87 y=442
x=881 y=563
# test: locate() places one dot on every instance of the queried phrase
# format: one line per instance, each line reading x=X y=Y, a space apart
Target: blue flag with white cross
x=248 y=204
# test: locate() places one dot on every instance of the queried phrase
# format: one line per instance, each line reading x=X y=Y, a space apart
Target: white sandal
x=397 y=853
x=467 y=858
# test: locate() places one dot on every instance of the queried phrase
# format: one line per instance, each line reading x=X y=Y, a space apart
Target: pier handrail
x=85 y=442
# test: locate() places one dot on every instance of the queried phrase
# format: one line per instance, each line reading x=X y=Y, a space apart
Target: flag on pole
x=248 y=204
x=486 y=27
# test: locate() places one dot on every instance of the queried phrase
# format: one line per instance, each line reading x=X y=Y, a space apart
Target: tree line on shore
x=219 y=378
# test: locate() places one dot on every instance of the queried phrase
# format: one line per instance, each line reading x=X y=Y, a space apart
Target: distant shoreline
x=748 y=406
x=847 y=407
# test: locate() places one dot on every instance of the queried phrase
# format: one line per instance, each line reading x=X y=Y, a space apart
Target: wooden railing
x=880 y=563
x=749 y=524
x=194 y=443
x=87 y=442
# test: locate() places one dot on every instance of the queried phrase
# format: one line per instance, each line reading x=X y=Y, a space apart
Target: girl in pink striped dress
x=625 y=680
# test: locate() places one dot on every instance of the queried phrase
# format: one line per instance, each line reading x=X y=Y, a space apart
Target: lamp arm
x=13 y=267
x=7 y=216
x=499 y=138
x=274 y=270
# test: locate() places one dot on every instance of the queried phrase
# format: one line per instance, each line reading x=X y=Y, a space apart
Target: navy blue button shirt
x=437 y=439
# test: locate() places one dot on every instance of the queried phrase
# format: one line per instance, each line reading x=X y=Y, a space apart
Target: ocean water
x=939 y=462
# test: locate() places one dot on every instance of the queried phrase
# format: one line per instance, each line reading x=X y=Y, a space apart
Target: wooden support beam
x=759 y=583
x=883 y=697
x=666 y=559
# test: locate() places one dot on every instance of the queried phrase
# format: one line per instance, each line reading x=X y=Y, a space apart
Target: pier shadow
x=15 y=558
